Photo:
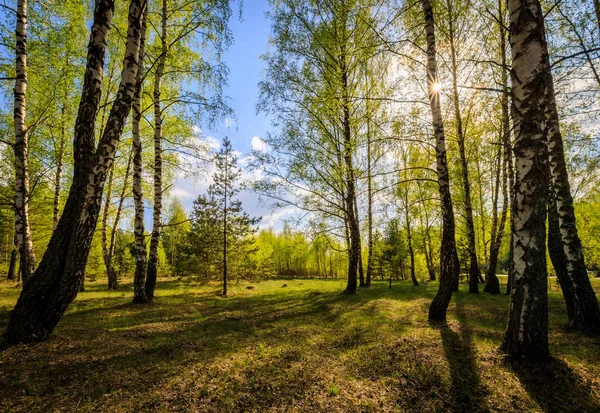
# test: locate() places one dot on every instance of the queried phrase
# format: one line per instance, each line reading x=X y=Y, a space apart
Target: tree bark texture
x=60 y=273
x=21 y=147
x=439 y=305
x=585 y=311
x=527 y=332
x=158 y=120
x=139 y=277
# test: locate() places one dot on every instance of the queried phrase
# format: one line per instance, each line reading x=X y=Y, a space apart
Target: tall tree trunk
x=557 y=254
x=350 y=193
x=157 y=211
x=411 y=253
x=512 y=202
x=585 y=312
x=527 y=332
x=225 y=233
x=56 y=282
x=474 y=273
x=59 y=166
x=361 y=272
x=12 y=266
x=369 y=192
x=369 y=210
x=104 y=226
x=493 y=284
x=139 y=277
x=427 y=247
x=439 y=305
x=114 y=282
x=21 y=147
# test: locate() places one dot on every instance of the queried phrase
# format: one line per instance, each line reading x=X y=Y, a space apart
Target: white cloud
x=274 y=219
x=258 y=144
x=181 y=193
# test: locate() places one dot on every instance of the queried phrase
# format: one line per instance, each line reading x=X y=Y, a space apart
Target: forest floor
x=291 y=345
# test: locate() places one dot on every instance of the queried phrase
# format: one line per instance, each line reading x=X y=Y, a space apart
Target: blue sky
x=251 y=36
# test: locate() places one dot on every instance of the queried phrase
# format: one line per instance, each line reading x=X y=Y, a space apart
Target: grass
x=302 y=347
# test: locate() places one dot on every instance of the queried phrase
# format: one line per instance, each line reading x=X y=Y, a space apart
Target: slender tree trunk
x=12 y=266
x=585 y=312
x=56 y=282
x=474 y=272
x=21 y=147
x=439 y=305
x=513 y=203
x=113 y=281
x=428 y=260
x=59 y=166
x=557 y=254
x=411 y=253
x=104 y=225
x=225 y=235
x=427 y=247
x=369 y=195
x=361 y=272
x=156 y=217
x=352 y=219
x=369 y=213
x=139 y=277
x=527 y=332
x=493 y=284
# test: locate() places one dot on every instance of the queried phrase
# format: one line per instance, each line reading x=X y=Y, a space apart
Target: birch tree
x=448 y=260
x=59 y=275
x=23 y=230
x=527 y=331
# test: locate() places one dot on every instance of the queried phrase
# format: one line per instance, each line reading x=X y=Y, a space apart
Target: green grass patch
x=305 y=347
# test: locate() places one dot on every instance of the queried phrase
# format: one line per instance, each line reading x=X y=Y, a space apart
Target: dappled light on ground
x=305 y=347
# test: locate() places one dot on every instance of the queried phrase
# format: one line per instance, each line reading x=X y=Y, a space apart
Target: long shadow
x=466 y=390
x=555 y=386
x=98 y=347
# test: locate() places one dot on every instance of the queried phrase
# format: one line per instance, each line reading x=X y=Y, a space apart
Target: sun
x=437 y=87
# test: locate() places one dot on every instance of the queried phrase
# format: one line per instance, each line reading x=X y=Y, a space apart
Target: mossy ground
x=299 y=347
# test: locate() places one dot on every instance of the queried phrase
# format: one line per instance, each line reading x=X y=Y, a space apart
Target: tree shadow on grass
x=555 y=386
x=466 y=391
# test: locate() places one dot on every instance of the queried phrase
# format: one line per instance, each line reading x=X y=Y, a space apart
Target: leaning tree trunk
x=21 y=147
x=585 y=312
x=439 y=305
x=527 y=332
x=139 y=277
x=56 y=282
x=156 y=217
x=557 y=254
x=474 y=272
